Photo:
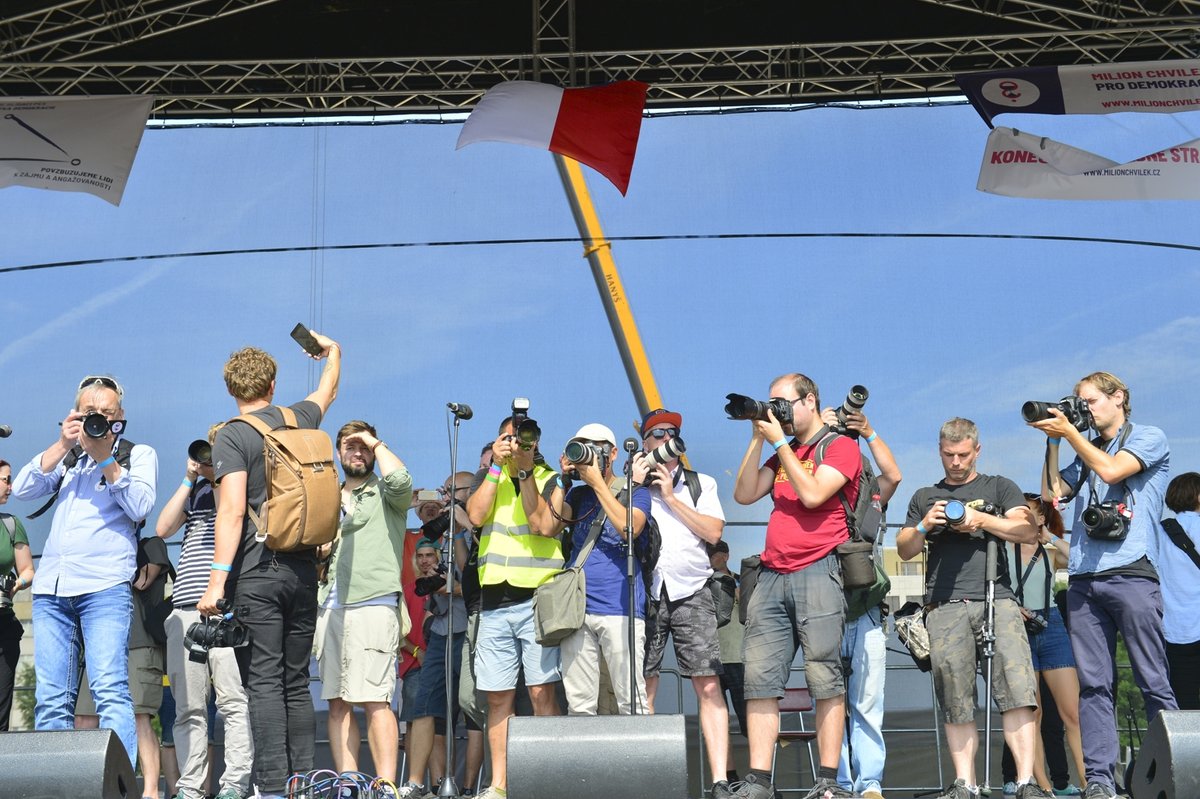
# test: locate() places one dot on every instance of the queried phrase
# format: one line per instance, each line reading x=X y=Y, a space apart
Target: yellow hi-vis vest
x=509 y=552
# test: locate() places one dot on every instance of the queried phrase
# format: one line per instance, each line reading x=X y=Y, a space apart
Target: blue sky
x=933 y=327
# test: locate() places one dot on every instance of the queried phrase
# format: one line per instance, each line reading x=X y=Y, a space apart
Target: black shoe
x=721 y=790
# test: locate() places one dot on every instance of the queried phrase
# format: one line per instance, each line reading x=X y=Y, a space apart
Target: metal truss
x=1080 y=14
x=718 y=77
x=81 y=28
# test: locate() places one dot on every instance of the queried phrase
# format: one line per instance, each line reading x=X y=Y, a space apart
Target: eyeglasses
x=104 y=381
x=662 y=432
x=445 y=490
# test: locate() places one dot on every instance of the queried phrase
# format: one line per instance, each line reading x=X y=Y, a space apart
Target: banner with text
x=1144 y=86
x=1017 y=164
x=71 y=143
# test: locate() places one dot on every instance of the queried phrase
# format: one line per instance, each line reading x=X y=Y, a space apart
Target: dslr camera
x=740 y=407
x=854 y=402
x=7 y=583
x=1108 y=521
x=664 y=453
x=436 y=527
x=1074 y=408
x=1035 y=623
x=219 y=631
x=525 y=430
x=96 y=425
x=581 y=453
x=432 y=583
x=200 y=451
x=955 y=511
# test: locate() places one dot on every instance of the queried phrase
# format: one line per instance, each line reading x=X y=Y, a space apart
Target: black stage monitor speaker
x=65 y=764
x=1168 y=764
x=597 y=757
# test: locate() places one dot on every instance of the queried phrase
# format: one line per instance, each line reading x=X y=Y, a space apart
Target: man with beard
x=361 y=603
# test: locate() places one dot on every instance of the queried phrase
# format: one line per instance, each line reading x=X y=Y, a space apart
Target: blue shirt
x=607 y=586
x=1179 y=580
x=93 y=538
x=1143 y=492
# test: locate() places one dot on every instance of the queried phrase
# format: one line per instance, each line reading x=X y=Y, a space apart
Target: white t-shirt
x=683 y=562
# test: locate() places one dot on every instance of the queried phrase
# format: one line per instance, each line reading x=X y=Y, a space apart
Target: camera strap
x=6 y=520
x=1121 y=438
x=1181 y=539
x=1085 y=472
x=71 y=459
x=1023 y=575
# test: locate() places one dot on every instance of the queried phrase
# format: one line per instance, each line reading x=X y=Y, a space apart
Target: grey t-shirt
x=239 y=448
x=958 y=561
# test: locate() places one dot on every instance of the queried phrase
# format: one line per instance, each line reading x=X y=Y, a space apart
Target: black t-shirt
x=239 y=448
x=958 y=561
x=150 y=607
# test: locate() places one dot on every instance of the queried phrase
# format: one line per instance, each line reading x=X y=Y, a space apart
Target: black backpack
x=866 y=519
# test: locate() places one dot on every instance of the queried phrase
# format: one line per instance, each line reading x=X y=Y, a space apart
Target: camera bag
x=303 y=493
x=863 y=521
x=910 y=627
x=560 y=603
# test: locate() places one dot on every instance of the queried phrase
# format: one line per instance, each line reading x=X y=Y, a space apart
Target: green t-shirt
x=7 y=559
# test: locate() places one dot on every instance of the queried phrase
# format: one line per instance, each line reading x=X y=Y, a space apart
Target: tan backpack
x=303 y=493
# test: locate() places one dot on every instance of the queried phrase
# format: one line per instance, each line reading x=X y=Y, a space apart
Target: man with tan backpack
x=277 y=500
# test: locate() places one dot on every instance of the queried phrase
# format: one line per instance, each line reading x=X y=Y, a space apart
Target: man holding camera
x=362 y=600
x=106 y=488
x=798 y=596
x=689 y=516
x=193 y=507
x=517 y=553
x=1122 y=478
x=275 y=593
x=960 y=518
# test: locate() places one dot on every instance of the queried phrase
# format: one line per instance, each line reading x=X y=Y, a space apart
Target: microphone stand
x=991 y=575
x=448 y=787
x=631 y=575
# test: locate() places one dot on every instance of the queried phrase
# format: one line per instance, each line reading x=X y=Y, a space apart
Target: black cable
x=577 y=240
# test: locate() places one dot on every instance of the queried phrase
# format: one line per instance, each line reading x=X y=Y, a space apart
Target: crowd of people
x=464 y=628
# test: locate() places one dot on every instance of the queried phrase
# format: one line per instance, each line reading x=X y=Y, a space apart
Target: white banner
x=1017 y=164
x=71 y=143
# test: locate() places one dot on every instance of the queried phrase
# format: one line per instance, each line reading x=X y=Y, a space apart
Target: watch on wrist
x=524 y=475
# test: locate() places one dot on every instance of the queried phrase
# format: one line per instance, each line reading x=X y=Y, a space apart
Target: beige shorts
x=146 y=666
x=357 y=660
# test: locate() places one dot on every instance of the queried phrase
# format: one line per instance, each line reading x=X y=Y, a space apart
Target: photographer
x=508 y=504
x=193 y=508
x=684 y=606
x=362 y=600
x=277 y=591
x=16 y=574
x=798 y=597
x=604 y=634
x=956 y=606
x=1122 y=478
x=105 y=488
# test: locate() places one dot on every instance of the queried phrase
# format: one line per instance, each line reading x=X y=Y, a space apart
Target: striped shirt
x=199 y=540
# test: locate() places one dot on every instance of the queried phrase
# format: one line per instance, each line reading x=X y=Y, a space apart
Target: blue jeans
x=864 y=646
x=99 y=623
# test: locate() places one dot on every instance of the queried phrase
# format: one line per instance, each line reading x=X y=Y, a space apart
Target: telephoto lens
x=955 y=512
x=856 y=399
x=667 y=451
x=579 y=452
x=201 y=452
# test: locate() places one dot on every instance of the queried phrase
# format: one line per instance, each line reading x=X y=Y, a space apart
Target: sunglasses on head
x=662 y=432
x=106 y=382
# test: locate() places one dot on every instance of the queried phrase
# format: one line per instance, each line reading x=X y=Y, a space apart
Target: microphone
x=632 y=445
x=5 y=431
x=461 y=410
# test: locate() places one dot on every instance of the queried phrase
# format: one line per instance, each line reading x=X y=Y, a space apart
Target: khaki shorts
x=146 y=666
x=955 y=646
x=357 y=660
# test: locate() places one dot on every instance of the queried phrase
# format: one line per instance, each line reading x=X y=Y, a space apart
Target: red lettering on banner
x=1185 y=155
x=1159 y=157
x=1015 y=157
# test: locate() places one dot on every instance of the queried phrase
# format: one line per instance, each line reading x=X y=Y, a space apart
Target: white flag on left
x=71 y=143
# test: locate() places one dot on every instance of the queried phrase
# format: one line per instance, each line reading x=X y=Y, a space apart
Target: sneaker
x=721 y=790
x=413 y=790
x=751 y=788
x=1031 y=790
x=1098 y=790
x=1010 y=788
x=1070 y=790
x=872 y=793
x=492 y=792
x=826 y=788
x=227 y=793
x=959 y=790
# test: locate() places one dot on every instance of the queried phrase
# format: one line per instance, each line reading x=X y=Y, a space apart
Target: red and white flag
x=597 y=126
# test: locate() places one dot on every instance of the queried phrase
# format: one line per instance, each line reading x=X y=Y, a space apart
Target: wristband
x=872 y=437
x=558 y=481
x=187 y=483
x=106 y=462
x=1051 y=440
x=921 y=528
x=495 y=470
x=377 y=445
x=491 y=478
x=779 y=444
x=221 y=567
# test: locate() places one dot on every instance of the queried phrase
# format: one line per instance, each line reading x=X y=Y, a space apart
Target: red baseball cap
x=660 y=416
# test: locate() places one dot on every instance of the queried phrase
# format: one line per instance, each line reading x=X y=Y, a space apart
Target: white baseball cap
x=596 y=432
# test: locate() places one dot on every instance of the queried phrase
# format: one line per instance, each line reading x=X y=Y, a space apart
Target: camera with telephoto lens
x=7 y=583
x=525 y=429
x=1108 y=521
x=663 y=454
x=214 y=631
x=956 y=512
x=1074 y=408
x=96 y=425
x=740 y=407
x=436 y=527
x=854 y=402
x=200 y=451
x=430 y=583
x=581 y=453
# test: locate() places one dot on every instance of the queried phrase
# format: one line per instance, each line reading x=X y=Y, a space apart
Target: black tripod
x=988 y=634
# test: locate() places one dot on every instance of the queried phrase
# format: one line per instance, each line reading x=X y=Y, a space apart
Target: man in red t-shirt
x=798 y=596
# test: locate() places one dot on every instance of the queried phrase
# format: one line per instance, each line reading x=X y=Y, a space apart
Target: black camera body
x=214 y=631
x=96 y=425
x=581 y=453
x=740 y=407
x=7 y=583
x=1108 y=521
x=1036 y=623
x=856 y=398
x=1074 y=408
x=525 y=429
x=432 y=583
x=436 y=527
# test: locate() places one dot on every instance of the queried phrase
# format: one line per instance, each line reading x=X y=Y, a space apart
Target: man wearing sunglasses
x=105 y=488
x=689 y=517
